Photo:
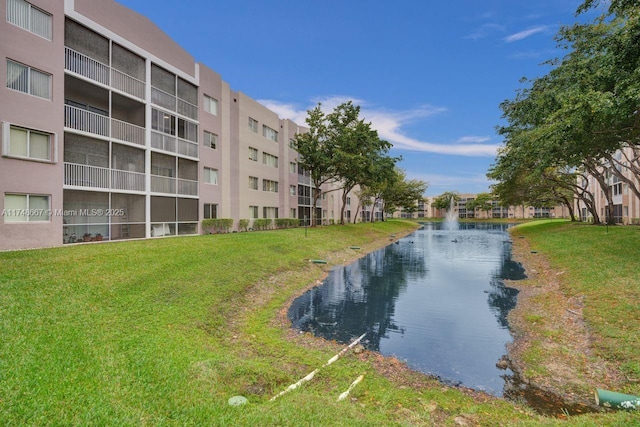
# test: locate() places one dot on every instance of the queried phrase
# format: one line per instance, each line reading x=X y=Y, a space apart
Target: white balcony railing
x=164 y=142
x=169 y=185
x=127 y=84
x=187 y=109
x=172 y=144
x=163 y=184
x=79 y=63
x=77 y=175
x=125 y=180
x=163 y=99
x=187 y=187
x=85 y=66
x=87 y=121
x=187 y=148
x=127 y=132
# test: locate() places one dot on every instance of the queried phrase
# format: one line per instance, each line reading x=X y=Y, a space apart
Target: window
x=269 y=212
x=210 y=140
x=163 y=122
x=292 y=190
x=29 y=17
x=253 y=183
x=292 y=213
x=253 y=125
x=210 y=211
x=27 y=143
x=293 y=168
x=253 y=154
x=270 y=160
x=269 y=133
x=187 y=130
x=28 y=80
x=348 y=201
x=211 y=176
x=210 y=105
x=268 y=185
x=26 y=208
x=292 y=143
x=253 y=212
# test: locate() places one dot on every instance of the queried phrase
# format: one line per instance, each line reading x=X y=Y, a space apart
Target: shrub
x=262 y=223
x=287 y=222
x=243 y=225
x=216 y=225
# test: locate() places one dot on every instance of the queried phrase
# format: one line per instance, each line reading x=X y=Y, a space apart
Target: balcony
x=169 y=185
x=85 y=66
x=173 y=103
x=93 y=177
x=98 y=124
x=174 y=144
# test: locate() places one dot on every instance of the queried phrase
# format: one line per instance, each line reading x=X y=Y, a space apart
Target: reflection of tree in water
x=503 y=299
x=360 y=297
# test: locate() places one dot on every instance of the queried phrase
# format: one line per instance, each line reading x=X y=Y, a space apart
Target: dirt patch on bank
x=552 y=344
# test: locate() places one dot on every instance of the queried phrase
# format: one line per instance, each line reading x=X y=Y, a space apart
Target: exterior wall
x=624 y=197
x=34 y=113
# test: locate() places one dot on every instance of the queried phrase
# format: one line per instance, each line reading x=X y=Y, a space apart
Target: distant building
x=426 y=210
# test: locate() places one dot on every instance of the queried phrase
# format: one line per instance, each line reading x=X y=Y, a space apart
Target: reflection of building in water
x=360 y=297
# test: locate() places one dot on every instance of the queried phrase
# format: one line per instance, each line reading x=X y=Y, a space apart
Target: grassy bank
x=164 y=332
x=582 y=310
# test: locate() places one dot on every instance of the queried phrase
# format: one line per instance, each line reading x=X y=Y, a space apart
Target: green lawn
x=164 y=332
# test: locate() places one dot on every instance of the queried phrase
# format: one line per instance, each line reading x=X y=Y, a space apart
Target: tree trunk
x=601 y=178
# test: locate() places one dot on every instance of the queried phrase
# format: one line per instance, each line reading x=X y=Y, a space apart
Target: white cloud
x=389 y=126
x=471 y=139
x=526 y=33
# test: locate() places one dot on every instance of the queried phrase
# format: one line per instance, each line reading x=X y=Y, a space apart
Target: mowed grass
x=600 y=264
x=164 y=332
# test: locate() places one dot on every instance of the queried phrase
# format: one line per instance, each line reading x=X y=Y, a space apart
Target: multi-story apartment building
x=110 y=130
x=425 y=209
x=626 y=204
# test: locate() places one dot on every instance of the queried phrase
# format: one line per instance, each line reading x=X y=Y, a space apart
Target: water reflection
x=435 y=299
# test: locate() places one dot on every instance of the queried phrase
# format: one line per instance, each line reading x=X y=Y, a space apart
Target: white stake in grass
x=310 y=376
x=353 y=384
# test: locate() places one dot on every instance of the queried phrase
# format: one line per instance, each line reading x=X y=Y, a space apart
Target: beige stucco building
x=110 y=130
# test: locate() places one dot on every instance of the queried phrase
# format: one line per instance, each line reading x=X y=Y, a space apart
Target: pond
x=434 y=299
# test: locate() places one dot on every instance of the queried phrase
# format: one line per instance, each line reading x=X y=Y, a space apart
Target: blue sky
x=429 y=75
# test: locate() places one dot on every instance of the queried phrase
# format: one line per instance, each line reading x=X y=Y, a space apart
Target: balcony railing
x=187 y=148
x=79 y=63
x=163 y=99
x=169 y=185
x=173 y=103
x=78 y=175
x=187 y=109
x=127 y=84
x=173 y=144
x=127 y=132
x=88 y=121
x=187 y=187
x=85 y=66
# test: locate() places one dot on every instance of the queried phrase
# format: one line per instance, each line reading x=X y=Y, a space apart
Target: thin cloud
x=526 y=33
x=485 y=31
x=472 y=139
x=439 y=183
x=389 y=125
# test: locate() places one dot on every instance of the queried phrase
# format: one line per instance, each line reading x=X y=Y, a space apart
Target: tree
x=357 y=149
x=443 y=201
x=316 y=149
x=482 y=201
x=400 y=193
